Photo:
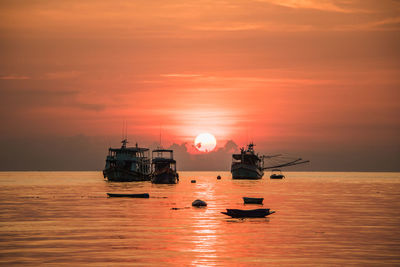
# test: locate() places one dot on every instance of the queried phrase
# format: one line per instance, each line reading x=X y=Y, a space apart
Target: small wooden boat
x=253 y=200
x=257 y=213
x=145 y=195
x=277 y=174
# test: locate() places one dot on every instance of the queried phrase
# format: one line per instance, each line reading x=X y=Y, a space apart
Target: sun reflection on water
x=204 y=241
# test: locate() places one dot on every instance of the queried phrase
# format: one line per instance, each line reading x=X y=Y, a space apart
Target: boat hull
x=122 y=175
x=243 y=171
x=145 y=195
x=165 y=178
x=257 y=213
x=277 y=176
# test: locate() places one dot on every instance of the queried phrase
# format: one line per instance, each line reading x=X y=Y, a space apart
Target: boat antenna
x=126 y=129
x=160 y=136
x=122 y=132
x=247 y=135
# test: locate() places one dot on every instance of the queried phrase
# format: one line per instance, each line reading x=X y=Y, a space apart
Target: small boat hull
x=277 y=176
x=252 y=200
x=123 y=175
x=257 y=213
x=243 y=171
x=145 y=195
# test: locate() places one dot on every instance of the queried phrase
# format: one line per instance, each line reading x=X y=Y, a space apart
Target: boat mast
x=124 y=133
x=160 y=137
x=124 y=142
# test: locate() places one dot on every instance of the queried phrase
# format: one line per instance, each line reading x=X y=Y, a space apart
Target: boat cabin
x=129 y=158
x=163 y=159
x=247 y=157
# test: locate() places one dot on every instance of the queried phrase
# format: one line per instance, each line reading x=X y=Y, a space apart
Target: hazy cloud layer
x=88 y=154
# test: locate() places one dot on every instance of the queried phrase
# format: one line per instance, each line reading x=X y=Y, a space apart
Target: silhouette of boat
x=277 y=174
x=252 y=200
x=249 y=165
x=145 y=195
x=127 y=164
x=163 y=167
x=257 y=213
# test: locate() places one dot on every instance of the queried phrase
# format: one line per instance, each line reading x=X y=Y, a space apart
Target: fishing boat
x=144 y=195
x=163 y=167
x=249 y=165
x=257 y=213
x=127 y=164
x=277 y=174
x=253 y=200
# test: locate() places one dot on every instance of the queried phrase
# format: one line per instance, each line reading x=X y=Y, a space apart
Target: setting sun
x=205 y=142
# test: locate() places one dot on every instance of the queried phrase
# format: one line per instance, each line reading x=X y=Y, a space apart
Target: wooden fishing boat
x=257 y=213
x=163 y=167
x=249 y=165
x=145 y=195
x=127 y=164
x=253 y=200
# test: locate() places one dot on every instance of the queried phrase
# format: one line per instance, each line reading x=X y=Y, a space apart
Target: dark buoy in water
x=219 y=177
x=199 y=203
x=193 y=181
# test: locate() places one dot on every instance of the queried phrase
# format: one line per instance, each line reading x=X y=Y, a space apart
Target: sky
x=316 y=79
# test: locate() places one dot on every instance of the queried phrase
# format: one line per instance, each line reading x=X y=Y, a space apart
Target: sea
x=320 y=219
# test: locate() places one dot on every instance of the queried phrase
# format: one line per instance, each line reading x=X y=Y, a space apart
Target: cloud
x=71 y=153
x=388 y=23
x=180 y=75
x=217 y=160
x=230 y=27
x=14 y=77
x=323 y=5
x=89 y=106
x=81 y=152
x=61 y=75
x=36 y=98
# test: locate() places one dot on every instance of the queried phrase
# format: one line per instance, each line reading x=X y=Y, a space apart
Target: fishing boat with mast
x=249 y=165
x=163 y=167
x=127 y=164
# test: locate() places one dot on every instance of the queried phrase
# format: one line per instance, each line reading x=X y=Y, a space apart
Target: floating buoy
x=199 y=203
x=219 y=177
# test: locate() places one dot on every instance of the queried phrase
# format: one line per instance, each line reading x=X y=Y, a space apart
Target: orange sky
x=291 y=75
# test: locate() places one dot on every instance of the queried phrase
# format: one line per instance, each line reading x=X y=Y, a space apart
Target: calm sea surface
x=66 y=218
